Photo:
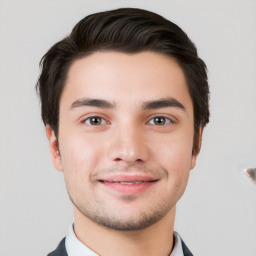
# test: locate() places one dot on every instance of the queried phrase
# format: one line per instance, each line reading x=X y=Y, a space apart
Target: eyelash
x=166 y=120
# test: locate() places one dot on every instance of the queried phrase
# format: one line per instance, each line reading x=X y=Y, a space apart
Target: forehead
x=125 y=77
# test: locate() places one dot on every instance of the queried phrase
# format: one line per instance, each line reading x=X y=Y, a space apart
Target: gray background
x=217 y=215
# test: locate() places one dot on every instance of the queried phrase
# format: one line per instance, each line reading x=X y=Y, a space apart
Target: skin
x=144 y=130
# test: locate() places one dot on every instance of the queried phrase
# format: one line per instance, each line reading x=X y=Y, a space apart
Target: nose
x=128 y=145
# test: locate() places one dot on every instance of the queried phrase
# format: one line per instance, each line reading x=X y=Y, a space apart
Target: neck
x=154 y=240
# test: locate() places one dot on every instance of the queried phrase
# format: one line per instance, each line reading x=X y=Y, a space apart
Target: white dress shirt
x=75 y=247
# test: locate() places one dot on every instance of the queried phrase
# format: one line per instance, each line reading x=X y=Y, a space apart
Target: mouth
x=129 y=184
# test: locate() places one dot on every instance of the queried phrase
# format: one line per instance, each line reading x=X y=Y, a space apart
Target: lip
x=129 y=184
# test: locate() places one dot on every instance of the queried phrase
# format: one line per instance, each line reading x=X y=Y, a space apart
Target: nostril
x=119 y=159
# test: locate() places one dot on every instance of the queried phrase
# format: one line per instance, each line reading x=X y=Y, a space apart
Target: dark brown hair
x=126 y=30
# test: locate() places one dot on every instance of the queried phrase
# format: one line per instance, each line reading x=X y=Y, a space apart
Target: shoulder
x=60 y=250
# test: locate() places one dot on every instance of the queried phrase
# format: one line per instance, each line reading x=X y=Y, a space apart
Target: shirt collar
x=177 y=250
x=76 y=248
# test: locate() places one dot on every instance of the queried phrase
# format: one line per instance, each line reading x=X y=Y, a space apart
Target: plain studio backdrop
x=217 y=215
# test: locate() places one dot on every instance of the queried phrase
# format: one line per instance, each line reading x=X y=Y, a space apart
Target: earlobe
x=193 y=161
x=54 y=148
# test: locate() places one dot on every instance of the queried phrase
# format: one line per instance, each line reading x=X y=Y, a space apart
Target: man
x=124 y=100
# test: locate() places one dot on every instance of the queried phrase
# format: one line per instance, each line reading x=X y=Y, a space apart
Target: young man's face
x=125 y=137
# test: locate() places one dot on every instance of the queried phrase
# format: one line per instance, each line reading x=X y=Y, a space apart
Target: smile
x=129 y=185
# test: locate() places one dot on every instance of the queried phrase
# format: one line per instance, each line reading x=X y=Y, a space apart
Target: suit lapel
x=60 y=250
x=185 y=249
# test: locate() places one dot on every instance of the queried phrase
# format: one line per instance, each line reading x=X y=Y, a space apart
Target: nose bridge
x=127 y=144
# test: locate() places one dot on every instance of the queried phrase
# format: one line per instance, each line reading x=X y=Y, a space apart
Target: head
x=125 y=30
x=115 y=44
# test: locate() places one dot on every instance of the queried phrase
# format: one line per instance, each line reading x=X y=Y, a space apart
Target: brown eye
x=95 y=120
x=159 y=120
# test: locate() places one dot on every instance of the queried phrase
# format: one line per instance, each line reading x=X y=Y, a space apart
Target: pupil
x=159 y=120
x=95 y=120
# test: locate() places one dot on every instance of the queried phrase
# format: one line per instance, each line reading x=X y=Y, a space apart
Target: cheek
x=175 y=151
x=175 y=158
x=177 y=166
x=79 y=156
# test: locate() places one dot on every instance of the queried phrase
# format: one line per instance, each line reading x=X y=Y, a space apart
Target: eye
x=160 y=120
x=95 y=120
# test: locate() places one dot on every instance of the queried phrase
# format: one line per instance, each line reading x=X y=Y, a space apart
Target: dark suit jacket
x=61 y=250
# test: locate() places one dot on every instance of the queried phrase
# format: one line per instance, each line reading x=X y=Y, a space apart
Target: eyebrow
x=154 y=104
x=92 y=103
x=163 y=103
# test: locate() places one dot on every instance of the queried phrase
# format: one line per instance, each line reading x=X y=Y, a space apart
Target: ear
x=54 y=148
x=195 y=154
